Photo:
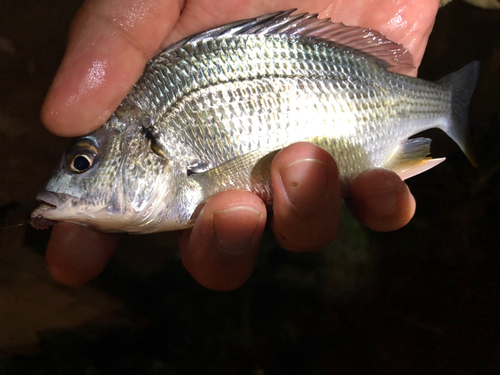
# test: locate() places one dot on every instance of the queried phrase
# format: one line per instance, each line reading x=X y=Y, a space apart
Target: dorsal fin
x=366 y=40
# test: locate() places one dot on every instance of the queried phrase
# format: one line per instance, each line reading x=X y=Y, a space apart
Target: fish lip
x=50 y=202
x=53 y=199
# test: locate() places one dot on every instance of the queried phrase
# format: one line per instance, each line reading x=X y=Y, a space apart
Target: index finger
x=109 y=43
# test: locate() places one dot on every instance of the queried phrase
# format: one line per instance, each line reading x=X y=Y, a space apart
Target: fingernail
x=235 y=228
x=383 y=196
x=305 y=182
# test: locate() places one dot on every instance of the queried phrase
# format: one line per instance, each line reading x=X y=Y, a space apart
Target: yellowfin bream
x=211 y=111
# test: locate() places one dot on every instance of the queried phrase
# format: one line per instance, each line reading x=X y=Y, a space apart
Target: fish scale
x=331 y=66
x=211 y=111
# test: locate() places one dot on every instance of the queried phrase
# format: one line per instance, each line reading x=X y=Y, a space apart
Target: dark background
x=424 y=299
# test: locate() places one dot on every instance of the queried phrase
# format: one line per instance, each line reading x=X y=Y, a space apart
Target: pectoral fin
x=251 y=171
x=413 y=158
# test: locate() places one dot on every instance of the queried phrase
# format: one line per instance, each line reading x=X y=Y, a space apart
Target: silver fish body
x=211 y=111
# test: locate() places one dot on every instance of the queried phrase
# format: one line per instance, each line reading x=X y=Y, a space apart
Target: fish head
x=109 y=179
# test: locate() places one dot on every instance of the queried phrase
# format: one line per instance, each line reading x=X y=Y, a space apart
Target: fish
x=211 y=111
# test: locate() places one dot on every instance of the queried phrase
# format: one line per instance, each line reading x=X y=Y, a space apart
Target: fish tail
x=462 y=85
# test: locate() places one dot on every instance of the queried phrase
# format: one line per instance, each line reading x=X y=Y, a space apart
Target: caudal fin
x=462 y=84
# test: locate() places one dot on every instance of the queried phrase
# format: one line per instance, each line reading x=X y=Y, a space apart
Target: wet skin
x=109 y=43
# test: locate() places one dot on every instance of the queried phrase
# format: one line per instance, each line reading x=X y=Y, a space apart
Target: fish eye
x=80 y=163
x=81 y=156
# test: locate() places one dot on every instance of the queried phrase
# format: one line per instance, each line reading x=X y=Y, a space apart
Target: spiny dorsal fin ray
x=366 y=40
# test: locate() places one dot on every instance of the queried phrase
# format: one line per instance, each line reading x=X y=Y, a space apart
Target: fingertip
x=306 y=206
x=62 y=277
x=90 y=84
x=109 y=43
x=69 y=120
x=381 y=200
x=220 y=251
x=76 y=254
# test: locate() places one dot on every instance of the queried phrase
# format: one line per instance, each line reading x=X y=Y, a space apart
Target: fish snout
x=50 y=203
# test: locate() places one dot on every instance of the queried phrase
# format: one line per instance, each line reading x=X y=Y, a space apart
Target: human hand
x=109 y=43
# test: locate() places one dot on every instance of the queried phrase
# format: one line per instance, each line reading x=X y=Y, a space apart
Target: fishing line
x=13 y=226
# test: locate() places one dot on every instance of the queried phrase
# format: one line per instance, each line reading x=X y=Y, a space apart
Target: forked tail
x=462 y=85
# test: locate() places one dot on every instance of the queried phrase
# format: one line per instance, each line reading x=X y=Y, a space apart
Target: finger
x=77 y=254
x=306 y=206
x=221 y=249
x=381 y=201
x=109 y=43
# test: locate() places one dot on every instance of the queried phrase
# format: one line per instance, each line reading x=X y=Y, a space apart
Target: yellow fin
x=412 y=158
x=407 y=171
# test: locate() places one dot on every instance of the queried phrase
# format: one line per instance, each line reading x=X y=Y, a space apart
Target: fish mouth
x=50 y=203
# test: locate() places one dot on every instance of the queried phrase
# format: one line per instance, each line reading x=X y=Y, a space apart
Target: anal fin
x=419 y=167
x=413 y=158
